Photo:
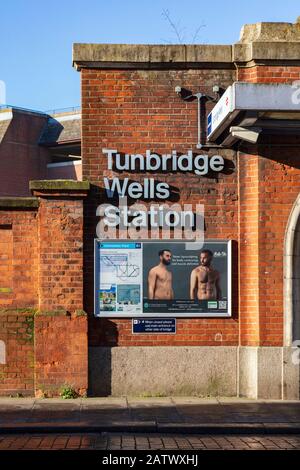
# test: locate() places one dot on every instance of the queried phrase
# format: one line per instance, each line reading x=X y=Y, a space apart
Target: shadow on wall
x=100 y=369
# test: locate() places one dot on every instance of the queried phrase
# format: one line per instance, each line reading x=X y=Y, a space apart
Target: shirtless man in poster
x=160 y=278
x=205 y=280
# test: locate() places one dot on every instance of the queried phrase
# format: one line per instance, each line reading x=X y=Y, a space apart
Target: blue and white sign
x=220 y=112
x=154 y=325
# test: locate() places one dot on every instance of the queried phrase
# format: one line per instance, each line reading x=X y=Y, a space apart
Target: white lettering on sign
x=199 y=164
x=135 y=221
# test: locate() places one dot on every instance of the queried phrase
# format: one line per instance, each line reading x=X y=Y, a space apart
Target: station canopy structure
x=247 y=110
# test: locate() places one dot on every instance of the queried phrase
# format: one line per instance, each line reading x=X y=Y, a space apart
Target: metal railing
x=49 y=111
x=19 y=108
x=71 y=109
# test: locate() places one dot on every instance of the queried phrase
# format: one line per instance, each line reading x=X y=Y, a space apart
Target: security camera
x=178 y=90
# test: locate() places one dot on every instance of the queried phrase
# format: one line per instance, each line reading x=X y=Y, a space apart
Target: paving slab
x=148 y=402
x=194 y=400
x=68 y=407
x=102 y=402
x=149 y=414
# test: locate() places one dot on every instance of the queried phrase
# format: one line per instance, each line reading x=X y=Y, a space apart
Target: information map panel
x=162 y=279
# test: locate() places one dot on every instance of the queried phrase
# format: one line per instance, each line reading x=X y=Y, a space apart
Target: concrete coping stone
x=18 y=202
x=142 y=54
x=258 y=41
x=59 y=185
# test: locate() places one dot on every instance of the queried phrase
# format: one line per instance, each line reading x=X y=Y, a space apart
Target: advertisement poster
x=162 y=279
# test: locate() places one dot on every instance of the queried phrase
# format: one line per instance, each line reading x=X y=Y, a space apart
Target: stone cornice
x=259 y=41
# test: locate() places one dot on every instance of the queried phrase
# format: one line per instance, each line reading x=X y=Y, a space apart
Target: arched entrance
x=292 y=276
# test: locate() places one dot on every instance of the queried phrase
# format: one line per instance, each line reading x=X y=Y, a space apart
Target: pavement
x=168 y=415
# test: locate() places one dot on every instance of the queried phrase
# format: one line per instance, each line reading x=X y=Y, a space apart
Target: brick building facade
x=47 y=274
x=36 y=145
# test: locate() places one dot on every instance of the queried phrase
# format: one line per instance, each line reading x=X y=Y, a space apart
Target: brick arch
x=291 y=264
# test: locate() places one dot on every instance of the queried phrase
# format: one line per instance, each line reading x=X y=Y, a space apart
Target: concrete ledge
x=59 y=188
x=142 y=55
x=19 y=203
x=53 y=313
x=258 y=41
x=267 y=51
x=59 y=185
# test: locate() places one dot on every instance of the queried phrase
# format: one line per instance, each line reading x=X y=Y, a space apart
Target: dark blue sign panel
x=154 y=325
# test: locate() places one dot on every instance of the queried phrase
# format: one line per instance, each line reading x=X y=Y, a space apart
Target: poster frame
x=211 y=314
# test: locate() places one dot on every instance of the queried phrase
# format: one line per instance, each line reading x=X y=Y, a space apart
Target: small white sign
x=220 y=111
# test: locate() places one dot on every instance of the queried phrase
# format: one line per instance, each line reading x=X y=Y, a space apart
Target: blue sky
x=36 y=37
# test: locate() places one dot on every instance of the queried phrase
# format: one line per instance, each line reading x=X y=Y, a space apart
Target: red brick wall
x=60 y=252
x=269 y=186
x=135 y=110
x=279 y=187
x=19 y=233
x=16 y=331
x=268 y=74
x=61 y=357
x=42 y=323
x=44 y=353
x=132 y=111
x=248 y=249
x=269 y=194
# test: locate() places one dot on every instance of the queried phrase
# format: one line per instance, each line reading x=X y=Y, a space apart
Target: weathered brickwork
x=61 y=353
x=133 y=111
x=60 y=251
x=17 y=333
x=279 y=187
x=268 y=74
x=269 y=185
x=248 y=250
x=42 y=325
x=18 y=232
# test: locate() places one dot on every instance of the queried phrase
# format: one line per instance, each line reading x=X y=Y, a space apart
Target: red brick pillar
x=61 y=356
x=249 y=249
